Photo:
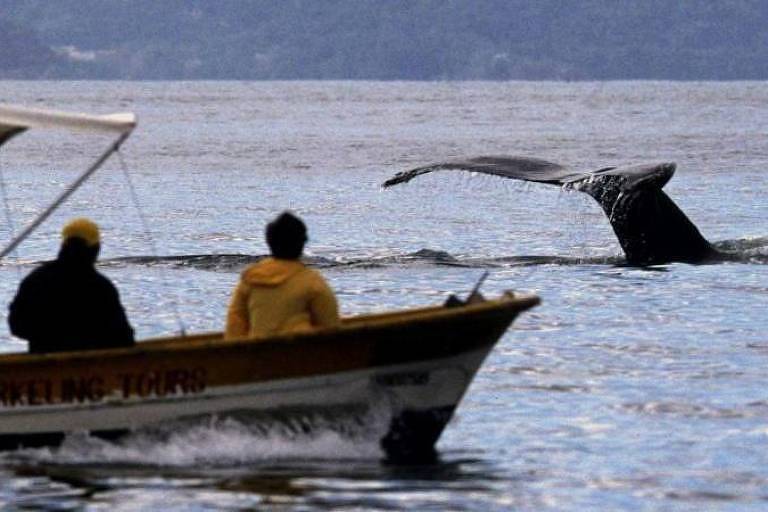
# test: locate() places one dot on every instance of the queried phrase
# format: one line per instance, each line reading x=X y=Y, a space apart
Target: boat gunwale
x=358 y=323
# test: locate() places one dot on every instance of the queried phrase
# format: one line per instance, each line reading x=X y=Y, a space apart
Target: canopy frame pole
x=152 y=243
x=64 y=195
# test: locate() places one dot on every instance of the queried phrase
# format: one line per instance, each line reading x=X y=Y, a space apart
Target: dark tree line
x=385 y=39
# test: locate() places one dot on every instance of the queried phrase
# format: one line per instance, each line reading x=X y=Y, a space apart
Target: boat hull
x=413 y=365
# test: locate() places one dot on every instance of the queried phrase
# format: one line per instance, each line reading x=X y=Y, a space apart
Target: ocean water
x=626 y=389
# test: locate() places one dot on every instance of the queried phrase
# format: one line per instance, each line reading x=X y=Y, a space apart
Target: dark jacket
x=67 y=305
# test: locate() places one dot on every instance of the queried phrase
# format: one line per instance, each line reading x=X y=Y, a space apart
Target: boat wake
x=226 y=442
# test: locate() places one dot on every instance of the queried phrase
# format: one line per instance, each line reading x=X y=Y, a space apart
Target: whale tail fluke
x=650 y=227
x=521 y=168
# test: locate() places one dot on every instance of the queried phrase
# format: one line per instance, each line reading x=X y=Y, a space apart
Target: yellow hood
x=271 y=272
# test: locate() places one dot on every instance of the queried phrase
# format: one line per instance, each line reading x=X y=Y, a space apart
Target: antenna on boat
x=476 y=289
x=474 y=296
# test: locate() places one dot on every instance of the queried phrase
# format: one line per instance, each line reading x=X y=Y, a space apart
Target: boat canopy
x=14 y=120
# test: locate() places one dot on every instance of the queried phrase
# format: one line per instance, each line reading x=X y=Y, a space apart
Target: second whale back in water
x=650 y=227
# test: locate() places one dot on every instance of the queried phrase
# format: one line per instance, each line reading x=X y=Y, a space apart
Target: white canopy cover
x=14 y=119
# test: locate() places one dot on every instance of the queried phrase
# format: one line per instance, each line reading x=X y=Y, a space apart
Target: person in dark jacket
x=66 y=304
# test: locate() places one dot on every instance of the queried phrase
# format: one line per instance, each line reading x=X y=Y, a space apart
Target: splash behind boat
x=419 y=361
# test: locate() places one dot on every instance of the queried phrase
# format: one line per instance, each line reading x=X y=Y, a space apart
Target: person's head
x=286 y=236
x=80 y=241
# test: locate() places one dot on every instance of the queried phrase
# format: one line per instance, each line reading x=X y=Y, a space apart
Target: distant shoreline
x=404 y=81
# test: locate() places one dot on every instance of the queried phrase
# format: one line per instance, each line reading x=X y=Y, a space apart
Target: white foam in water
x=225 y=442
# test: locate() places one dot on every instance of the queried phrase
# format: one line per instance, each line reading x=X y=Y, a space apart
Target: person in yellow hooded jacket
x=279 y=294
